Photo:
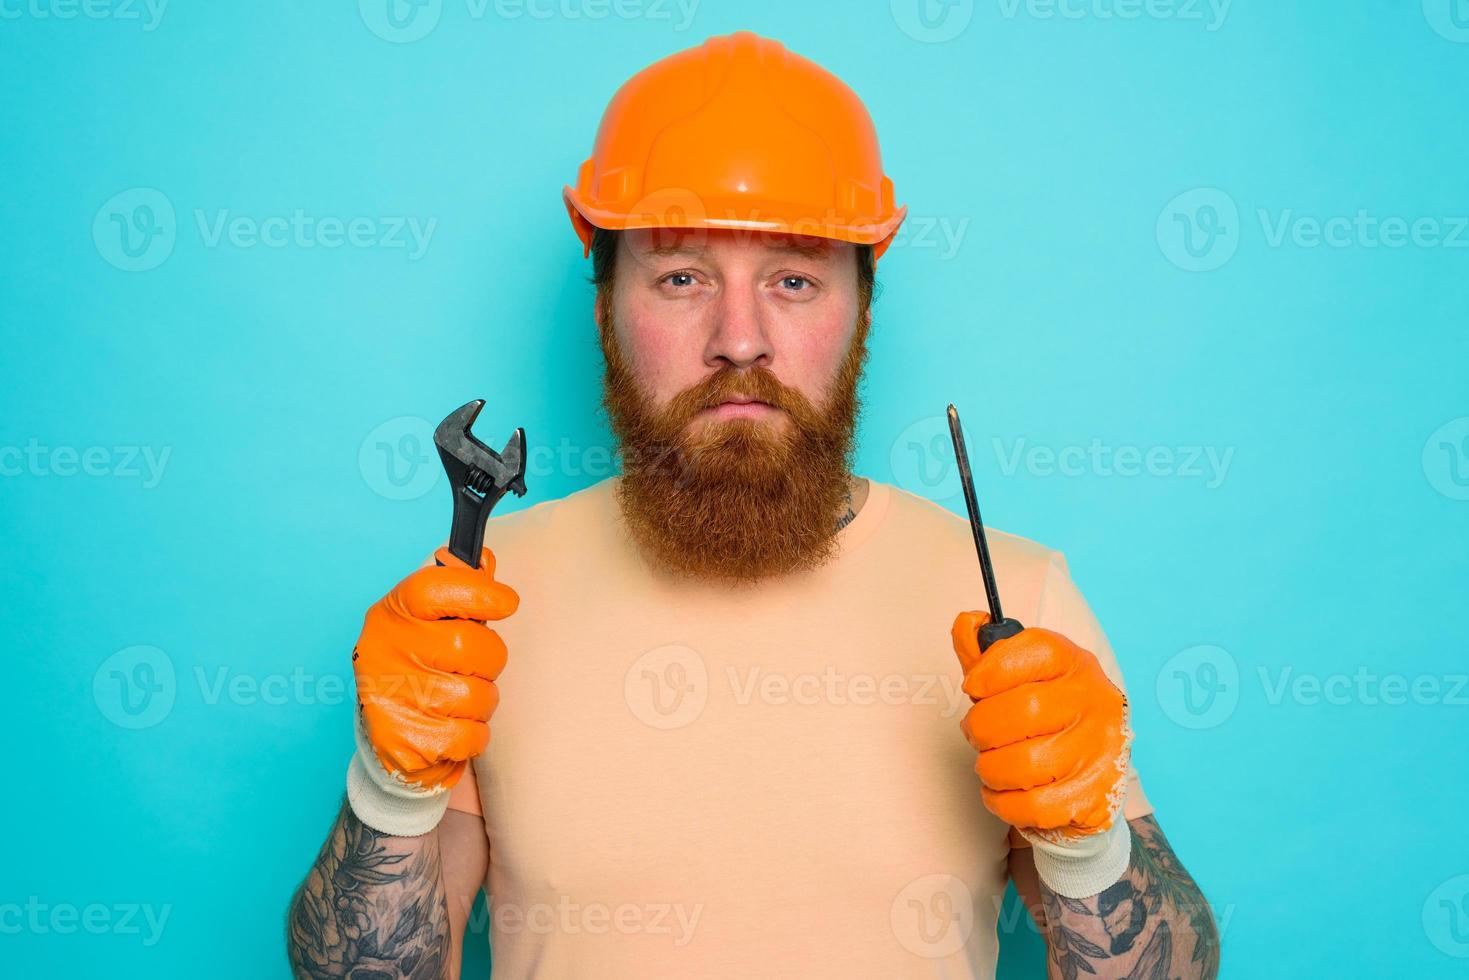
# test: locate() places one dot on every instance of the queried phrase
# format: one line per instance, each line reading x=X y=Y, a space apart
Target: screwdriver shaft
x=976 y=525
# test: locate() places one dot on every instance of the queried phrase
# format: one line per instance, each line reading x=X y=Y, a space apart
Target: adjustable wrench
x=478 y=477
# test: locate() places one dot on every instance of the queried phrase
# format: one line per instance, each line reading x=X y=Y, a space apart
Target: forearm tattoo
x=372 y=908
x=1152 y=925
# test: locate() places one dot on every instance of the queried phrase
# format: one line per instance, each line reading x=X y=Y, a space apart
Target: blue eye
x=679 y=275
x=788 y=280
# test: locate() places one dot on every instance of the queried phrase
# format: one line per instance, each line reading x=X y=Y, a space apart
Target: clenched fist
x=426 y=665
x=1051 y=731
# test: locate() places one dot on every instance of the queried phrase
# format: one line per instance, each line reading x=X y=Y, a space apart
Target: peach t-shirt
x=689 y=780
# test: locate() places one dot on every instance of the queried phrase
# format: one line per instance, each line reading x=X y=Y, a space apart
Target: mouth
x=741 y=406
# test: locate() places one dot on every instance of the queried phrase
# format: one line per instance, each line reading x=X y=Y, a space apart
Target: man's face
x=732 y=366
x=688 y=304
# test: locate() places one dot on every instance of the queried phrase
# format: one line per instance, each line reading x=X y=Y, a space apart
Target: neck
x=855 y=498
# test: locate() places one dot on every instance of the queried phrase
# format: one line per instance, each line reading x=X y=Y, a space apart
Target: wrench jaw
x=478 y=478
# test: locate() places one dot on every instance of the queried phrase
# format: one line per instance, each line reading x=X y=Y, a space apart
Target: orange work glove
x=425 y=665
x=1054 y=747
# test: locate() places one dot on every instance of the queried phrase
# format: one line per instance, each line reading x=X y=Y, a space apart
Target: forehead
x=716 y=242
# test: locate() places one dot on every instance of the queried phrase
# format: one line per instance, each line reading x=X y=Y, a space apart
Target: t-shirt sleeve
x=1063 y=609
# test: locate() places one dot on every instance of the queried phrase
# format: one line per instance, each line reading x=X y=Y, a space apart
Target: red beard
x=734 y=499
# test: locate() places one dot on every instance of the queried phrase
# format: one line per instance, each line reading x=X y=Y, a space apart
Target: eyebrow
x=811 y=252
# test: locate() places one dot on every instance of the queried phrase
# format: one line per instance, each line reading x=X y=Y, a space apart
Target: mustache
x=756 y=383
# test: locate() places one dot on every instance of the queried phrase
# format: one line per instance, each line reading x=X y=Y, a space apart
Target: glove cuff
x=1086 y=867
x=385 y=802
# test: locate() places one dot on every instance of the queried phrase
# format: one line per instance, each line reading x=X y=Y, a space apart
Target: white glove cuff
x=385 y=802
x=1086 y=867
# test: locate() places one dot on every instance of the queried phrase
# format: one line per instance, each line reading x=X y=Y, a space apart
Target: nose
x=739 y=335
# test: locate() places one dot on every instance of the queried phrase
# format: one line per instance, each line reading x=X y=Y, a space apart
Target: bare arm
x=466 y=852
x=380 y=904
x=1154 y=923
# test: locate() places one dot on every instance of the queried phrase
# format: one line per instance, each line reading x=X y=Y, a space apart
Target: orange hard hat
x=737 y=133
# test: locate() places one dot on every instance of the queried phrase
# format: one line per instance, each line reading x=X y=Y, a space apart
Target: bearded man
x=732 y=739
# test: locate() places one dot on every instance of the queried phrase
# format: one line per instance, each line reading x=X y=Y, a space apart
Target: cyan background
x=1064 y=307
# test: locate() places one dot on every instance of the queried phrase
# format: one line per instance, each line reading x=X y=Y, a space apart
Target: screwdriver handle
x=991 y=633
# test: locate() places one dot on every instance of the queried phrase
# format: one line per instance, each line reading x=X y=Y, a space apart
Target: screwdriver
x=998 y=628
